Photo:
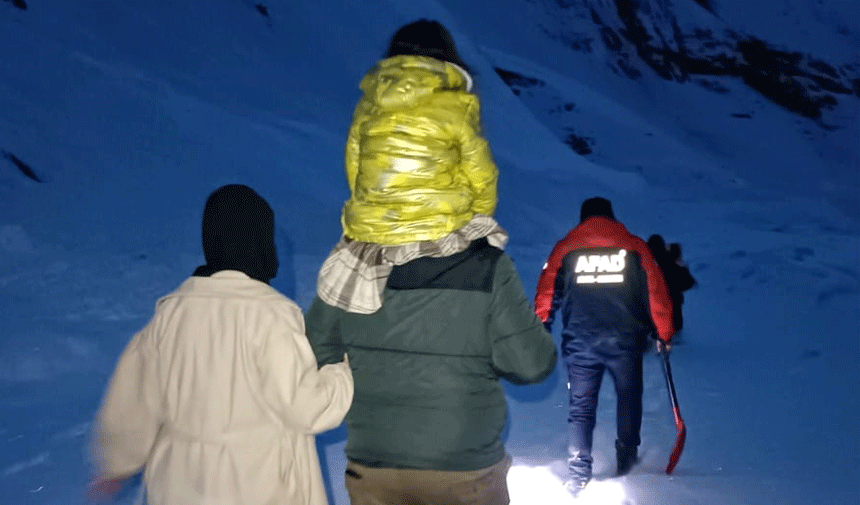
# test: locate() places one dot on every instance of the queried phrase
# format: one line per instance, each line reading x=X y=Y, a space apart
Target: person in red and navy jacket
x=612 y=296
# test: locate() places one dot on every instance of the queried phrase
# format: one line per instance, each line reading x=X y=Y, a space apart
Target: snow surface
x=132 y=112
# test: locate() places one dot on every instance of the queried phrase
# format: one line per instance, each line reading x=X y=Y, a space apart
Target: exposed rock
x=20 y=165
x=21 y=4
x=580 y=145
x=647 y=32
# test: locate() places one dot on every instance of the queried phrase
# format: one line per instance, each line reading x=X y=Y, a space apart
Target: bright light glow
x=539 y=485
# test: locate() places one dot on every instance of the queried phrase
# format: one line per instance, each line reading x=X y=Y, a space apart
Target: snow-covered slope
x=130 y=113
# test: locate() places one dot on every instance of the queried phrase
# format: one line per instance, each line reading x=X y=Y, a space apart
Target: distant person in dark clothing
x=677 y=275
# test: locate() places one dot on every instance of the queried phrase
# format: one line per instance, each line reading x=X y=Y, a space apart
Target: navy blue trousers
x=585 y=369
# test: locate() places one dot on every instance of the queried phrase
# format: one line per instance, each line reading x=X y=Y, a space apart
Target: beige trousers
x=394 y=486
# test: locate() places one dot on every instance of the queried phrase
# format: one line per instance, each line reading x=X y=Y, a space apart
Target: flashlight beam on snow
x=529 y=485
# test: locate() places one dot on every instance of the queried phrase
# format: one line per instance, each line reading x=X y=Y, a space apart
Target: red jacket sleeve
x=546 y=281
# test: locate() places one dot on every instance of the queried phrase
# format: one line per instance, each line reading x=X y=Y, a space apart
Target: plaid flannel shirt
x=354 y=274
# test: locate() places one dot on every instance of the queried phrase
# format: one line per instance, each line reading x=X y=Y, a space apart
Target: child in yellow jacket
x=417 y=164
x=421 y=177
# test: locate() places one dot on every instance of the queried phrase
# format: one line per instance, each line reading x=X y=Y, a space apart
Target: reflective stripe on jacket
x=589 y=300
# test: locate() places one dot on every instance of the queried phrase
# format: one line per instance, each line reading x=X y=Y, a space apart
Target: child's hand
x=104 y=488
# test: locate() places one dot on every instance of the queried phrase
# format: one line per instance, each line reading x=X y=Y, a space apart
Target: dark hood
x=239 y=234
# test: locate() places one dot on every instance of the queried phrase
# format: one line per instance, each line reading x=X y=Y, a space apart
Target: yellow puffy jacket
x=417 y=164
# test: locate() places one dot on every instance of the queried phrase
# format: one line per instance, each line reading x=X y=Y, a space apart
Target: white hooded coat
x=219 y=398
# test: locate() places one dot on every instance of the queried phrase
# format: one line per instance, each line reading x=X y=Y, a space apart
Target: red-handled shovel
x=679 y=422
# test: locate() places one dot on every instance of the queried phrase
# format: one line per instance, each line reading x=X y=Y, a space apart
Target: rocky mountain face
x=21 y=4
x=634 y=34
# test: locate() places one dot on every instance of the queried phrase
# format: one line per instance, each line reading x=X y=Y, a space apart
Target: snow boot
x=626 y=457
x=579 y=470
x=575 y=486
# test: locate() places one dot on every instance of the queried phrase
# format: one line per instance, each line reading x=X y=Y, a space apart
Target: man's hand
x=663 y=346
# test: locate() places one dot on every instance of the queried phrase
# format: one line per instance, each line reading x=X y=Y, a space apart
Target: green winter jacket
x=416 y=162
x=427 y=365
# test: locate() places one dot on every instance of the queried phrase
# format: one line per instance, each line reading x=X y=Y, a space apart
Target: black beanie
x=239 y=234
x=596 y=206
x=425 y=38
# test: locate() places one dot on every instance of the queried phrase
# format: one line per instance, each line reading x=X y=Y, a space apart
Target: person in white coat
x=218 y=398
